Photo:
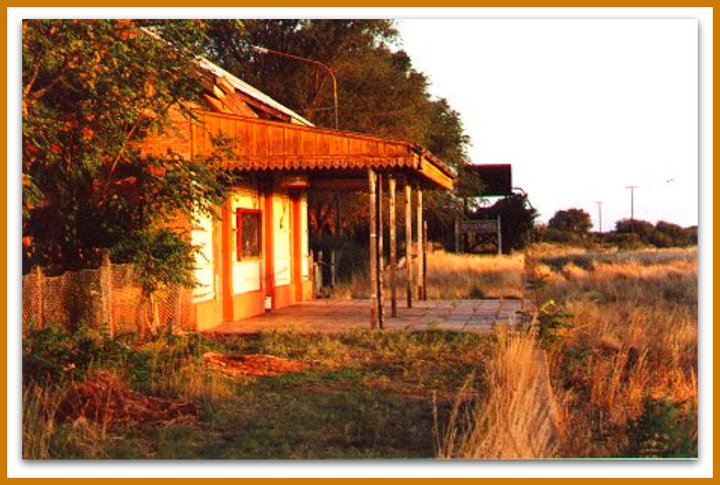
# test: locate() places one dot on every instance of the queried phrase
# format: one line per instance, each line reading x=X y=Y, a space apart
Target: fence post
x=106 y=296
x=39 y=280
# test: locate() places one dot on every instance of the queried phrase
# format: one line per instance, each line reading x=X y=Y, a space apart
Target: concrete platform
x=340 y=316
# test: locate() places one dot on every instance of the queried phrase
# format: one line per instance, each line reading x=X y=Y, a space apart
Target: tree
x=517 y=217
x=379 y=93
x=92 y=90
x=637 y=226
x=571 y=220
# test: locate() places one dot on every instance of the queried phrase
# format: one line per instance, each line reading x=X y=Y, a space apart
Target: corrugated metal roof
x=249 y=90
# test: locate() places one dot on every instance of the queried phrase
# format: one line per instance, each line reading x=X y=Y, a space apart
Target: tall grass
x=40 y=404
x=634 y=342
x=92 y=386
x=519 y=418
x=453 y=276
x=622 y=378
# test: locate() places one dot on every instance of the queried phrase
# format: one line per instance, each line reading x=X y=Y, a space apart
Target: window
x=248 y=234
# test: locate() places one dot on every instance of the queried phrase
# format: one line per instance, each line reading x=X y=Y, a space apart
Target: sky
x=581 y=108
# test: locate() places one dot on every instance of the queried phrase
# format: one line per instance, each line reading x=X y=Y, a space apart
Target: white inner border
x=377 y=468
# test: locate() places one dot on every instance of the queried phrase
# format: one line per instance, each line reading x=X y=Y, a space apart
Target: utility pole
x=632 y=205
x=265 y=50
x=599 y=205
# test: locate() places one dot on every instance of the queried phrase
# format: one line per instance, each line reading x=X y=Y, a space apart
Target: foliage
x=663 y=430
x=557 y=236
x=571 y=220
x=92 y=91
x=636 y=226
x=371 y=397
x=552 y=323
x=52 y=353
x=517 y=220
x=661 y=235
x=549 y=319
x=379 y=93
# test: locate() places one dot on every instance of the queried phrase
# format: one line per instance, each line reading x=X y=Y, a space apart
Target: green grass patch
x=366 y=395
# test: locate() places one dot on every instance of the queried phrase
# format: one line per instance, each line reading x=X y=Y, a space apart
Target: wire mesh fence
x=109 y=297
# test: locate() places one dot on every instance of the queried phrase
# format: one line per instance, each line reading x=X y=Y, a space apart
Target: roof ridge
x=250 y=90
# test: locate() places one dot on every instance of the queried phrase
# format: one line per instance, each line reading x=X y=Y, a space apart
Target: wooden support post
x=393 y=247
x=408 y=243
x=381 y=253
x=424 y=260
x=373 y=248
x=419 y=232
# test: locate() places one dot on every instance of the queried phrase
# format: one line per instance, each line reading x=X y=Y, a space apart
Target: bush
x=52 y=352
x=663 y=430
x=623 y=240
x=557 y=236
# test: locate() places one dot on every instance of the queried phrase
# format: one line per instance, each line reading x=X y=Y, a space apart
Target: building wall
x=207 y=294
x=230 y=288
x=246 y=273
x=246 y=293
x=241 y=286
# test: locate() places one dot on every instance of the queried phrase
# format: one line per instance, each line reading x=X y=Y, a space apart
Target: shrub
x=53 y=352
x=663 y=430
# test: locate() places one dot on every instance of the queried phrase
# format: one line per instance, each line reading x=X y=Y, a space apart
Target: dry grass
x=633 y=345
x=635 y=339
x=453 y=276
x=519 y=419
x=40 y=405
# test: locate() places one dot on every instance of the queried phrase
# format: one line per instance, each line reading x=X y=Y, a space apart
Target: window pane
x=250 y=242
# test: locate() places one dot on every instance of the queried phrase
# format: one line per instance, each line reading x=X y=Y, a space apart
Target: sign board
x=482 y=226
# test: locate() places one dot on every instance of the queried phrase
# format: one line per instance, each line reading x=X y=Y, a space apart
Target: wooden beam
x=419 y=232
x=393 y=247
x=381 y=257
x=434 y=174
x=408 y=243
x=373 y=248
x=424 y=260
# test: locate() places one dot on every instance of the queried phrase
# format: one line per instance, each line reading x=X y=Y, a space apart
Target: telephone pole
x=599 y=205
x=632 y=205
x=632 y=200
